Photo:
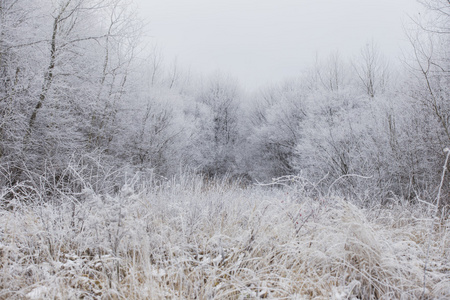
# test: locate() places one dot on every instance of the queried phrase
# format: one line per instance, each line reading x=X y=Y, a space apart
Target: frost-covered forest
x=125 y=176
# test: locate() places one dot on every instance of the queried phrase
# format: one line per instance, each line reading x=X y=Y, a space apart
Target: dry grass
x=188 y=240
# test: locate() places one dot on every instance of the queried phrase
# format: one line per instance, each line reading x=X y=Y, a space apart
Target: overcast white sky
x=261 y=41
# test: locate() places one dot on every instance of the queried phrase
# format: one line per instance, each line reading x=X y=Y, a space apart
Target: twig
x=346 y=175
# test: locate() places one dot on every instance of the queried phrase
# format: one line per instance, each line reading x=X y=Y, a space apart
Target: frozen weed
x=192 y=239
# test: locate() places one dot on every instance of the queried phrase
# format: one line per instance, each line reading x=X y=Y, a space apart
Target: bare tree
x=220 y=98
x=431 y=64
x=332 y=73
x=120 y=47
x=372 y=70
x=19 y=62
x=63 y=77
x=428 y=88
x=277 y=122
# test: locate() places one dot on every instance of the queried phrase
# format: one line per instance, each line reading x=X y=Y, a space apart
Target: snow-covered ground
x=196 y=240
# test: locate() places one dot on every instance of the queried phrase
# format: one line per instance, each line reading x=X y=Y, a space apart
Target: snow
x=39 y=292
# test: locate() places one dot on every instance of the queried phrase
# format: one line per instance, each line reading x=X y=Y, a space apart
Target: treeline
x=80 y=97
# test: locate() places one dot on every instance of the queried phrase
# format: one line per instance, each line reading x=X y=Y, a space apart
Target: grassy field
x=187 y=239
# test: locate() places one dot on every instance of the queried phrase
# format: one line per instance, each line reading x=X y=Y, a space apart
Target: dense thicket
x=80 y=98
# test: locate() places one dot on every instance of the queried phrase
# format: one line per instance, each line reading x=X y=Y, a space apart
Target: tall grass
x=187 y=238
